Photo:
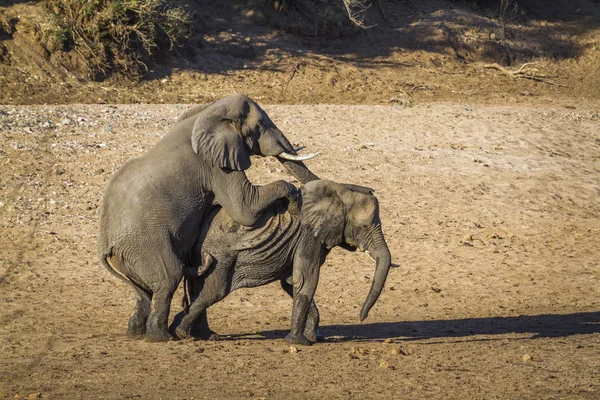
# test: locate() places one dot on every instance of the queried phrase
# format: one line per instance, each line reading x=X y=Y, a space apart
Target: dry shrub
x=121 y=35
x=314 y=18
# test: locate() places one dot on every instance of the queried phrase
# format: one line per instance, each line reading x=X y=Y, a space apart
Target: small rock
x=99 y=171
x=388 y=340
x=398 y=350
x=357 y=350
x=294 y=350
x=46 y=124
x=59 y=170
x=527 y=358
x=436 y=289
x=66 y=121
x=35 y=396
x=384 y=364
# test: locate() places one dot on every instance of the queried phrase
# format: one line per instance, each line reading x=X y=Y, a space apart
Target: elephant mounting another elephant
x=159 y=209
x=154 y=206
x=289 y=246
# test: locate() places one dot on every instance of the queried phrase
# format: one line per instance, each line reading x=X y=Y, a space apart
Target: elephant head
x=227 y=132
x=348 y=216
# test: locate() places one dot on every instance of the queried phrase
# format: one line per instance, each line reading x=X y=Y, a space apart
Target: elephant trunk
x=299 y=170
x=274 y=143
x=380 y=252
x=295 y=167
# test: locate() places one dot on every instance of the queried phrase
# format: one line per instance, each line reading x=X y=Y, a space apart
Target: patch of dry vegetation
x=121 y=35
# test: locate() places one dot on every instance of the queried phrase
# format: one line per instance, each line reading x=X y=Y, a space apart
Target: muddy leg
x=139 y=316
x=157 y=324
x=311 y=330
x=215 y=288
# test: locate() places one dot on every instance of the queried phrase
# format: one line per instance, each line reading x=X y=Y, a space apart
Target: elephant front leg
x=299 y=314
x=305 y=278
x=311 y=329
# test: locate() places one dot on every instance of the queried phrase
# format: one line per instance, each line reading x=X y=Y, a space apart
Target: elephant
x=154 y=205
x=289 y=246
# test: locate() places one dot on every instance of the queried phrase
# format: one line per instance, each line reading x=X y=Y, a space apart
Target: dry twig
x=356 y=10
x=295 y=70
x=519 y=73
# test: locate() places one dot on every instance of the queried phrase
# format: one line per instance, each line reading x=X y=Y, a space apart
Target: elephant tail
x=105 y=260
x=185 y=301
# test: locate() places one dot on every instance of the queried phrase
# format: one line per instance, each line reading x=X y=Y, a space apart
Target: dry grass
x=120 y=35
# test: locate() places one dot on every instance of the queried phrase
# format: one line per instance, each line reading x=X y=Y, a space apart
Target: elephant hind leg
x=157 y=323
x=167 y=273
x=141 y=310
x=215 y=288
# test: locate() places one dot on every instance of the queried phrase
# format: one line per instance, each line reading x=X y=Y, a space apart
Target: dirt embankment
x=430 y=51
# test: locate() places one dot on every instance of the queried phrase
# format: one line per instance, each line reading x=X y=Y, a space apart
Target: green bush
x=121 y=35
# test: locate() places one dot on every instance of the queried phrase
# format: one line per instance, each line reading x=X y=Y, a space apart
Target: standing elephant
x=153 y=206
x=289 y=247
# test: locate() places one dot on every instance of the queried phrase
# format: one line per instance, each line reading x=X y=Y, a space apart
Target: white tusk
x=370 y=256
x=293 y=157
x=297 y=149
x=392 y=265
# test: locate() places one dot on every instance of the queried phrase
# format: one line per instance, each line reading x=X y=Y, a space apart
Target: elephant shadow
x=539 y=326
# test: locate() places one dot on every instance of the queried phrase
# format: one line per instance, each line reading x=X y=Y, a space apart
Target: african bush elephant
x=154 y=205
x=289 y=247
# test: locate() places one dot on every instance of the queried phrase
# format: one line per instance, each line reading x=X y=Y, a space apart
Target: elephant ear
x=217 y=138
x=323 y=211
x=358 y=188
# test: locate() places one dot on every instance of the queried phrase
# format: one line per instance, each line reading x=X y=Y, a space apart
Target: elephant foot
x=135 y=335
x=194 y=333
x=183 y=333
x=314 y=336
x=205 y=334
x=136 y=326
x=201 y=330
x=159 y=337
x=297 y=339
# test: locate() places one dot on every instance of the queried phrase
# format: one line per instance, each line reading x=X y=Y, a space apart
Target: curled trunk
x=380 y=252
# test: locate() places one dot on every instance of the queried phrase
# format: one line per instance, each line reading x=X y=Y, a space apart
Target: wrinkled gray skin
x=289 y=247
x=153 y=206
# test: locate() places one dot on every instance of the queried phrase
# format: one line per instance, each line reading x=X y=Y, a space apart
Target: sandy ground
x=491 y=212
